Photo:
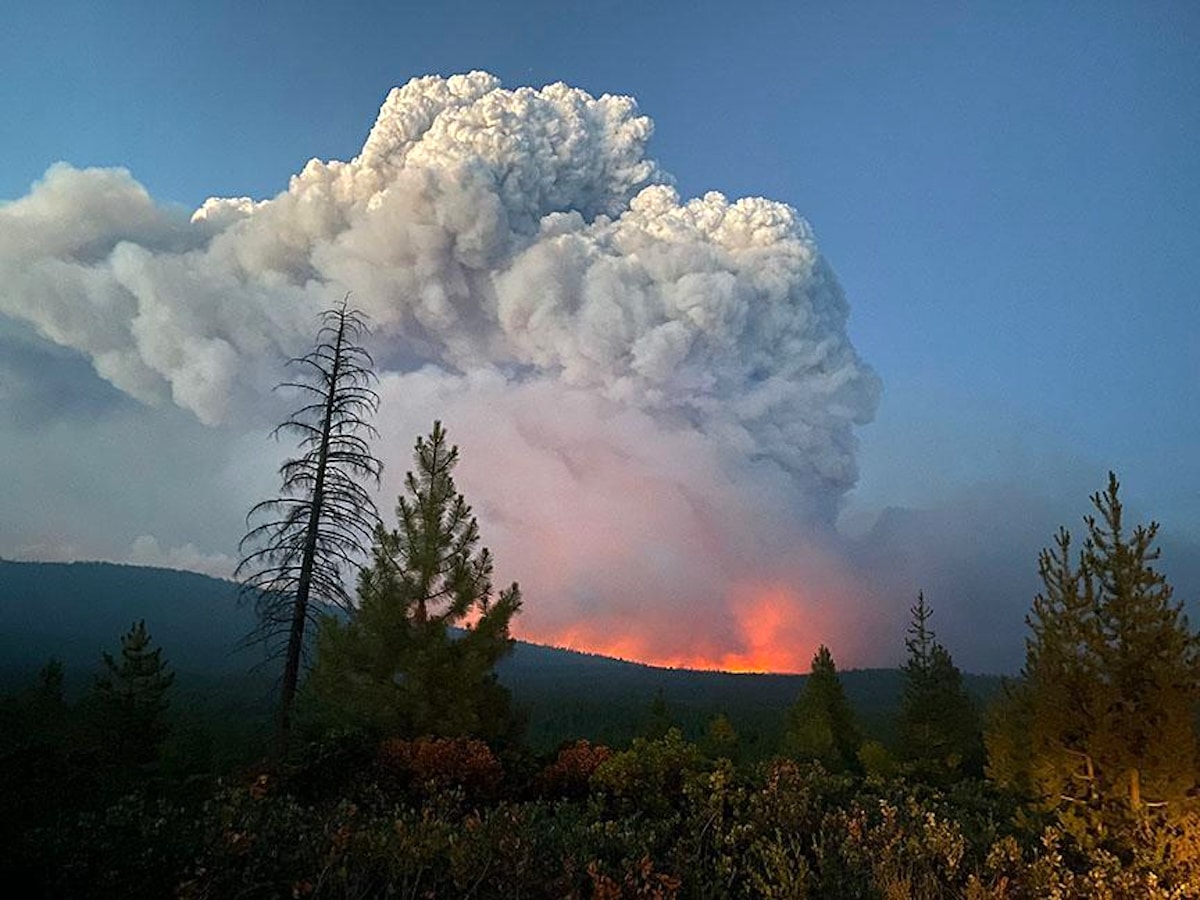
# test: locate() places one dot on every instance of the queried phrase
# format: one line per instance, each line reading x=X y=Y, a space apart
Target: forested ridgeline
x=74 y=611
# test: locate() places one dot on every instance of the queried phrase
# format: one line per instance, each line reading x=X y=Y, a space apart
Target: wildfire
x=772 y=630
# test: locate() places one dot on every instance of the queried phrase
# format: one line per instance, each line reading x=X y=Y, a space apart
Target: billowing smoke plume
x=655 y=398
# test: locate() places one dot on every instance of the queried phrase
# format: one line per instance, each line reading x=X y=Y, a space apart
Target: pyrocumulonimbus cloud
x=656 y=398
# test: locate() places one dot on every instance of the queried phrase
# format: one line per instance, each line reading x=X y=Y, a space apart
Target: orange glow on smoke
x=770 y=629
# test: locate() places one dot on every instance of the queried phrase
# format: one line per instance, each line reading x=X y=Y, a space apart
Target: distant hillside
x=75 y=610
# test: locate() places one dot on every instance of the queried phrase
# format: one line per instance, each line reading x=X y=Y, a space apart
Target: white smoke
x=520 y=243
x=524 y=230
x=146 y=551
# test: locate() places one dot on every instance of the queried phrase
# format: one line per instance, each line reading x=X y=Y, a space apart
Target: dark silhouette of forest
x=561 y=694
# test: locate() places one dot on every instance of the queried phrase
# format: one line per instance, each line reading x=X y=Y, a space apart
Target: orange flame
x=773 y=630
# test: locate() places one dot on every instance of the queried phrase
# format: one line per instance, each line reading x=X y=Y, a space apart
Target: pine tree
x=659 y=720
x=129 y=700
x=1101 y=727
x=419 y=655
x=49 y=690
x=821 y=723
x=721 y=740
x=38 y=782
x=34 y=736
x=939 y=732
x=297 y=556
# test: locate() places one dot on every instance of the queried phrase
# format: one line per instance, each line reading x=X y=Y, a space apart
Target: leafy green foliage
x=651 y=773
x=139 y=844
x=876 y=761
x=780 y=830
x=821 y=723
x=419 y=655
x=437 y=818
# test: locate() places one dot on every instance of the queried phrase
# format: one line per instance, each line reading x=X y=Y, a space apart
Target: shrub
x=431 y=765
x=571 y=772
x=651 y=774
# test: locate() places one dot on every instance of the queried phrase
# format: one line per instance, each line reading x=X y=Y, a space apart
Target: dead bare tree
x=301 y=544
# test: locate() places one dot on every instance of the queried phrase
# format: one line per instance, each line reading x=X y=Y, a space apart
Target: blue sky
x=1008 y=193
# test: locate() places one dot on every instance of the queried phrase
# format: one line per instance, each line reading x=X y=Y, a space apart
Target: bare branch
x=301 y=545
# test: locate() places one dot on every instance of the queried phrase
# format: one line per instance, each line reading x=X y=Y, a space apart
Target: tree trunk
x=291 y=668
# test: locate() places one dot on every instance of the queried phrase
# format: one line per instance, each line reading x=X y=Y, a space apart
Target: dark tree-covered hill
x=73 y=611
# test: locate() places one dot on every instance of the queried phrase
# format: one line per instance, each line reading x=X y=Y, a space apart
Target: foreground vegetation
x=448 y=818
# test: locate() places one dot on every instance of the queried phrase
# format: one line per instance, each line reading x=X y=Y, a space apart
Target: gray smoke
x=536 y=281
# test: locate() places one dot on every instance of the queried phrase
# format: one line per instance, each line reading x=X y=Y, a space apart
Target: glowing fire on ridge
x=775 y=631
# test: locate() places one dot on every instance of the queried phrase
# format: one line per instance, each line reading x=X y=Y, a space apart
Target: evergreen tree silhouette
x=821 y=723
x=939 y=730
x=419 y=655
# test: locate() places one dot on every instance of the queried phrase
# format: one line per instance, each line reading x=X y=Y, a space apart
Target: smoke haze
x=656 y=397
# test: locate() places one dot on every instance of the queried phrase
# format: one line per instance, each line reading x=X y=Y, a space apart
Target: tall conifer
x=1101 y=727
x=821 y=724
x=419 y=655
x=939 y=734
x=130 y=699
